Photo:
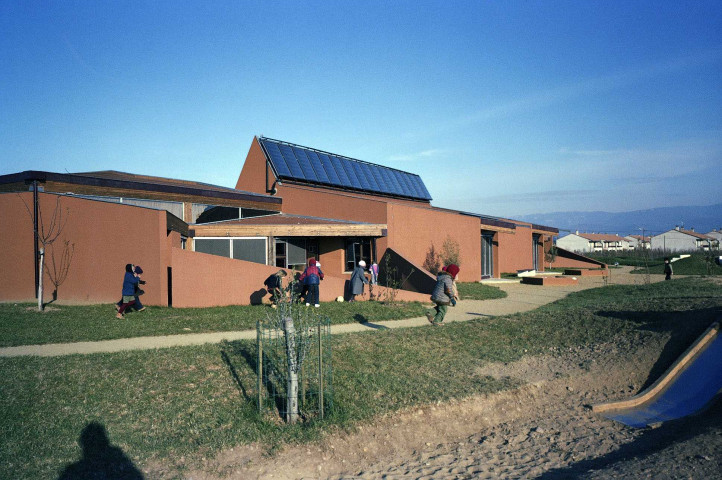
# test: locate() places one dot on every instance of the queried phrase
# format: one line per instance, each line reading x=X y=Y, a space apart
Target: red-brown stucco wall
x=413 y=230
x=203 y=280
x=103 y=237
x=253 y=173
x=515 y=250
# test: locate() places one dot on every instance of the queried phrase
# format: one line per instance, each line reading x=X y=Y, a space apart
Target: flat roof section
x=114 y=183
x=306 y=165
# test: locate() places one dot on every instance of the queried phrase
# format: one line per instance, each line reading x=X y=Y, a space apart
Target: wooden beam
x=494 y=228
x=322 y=230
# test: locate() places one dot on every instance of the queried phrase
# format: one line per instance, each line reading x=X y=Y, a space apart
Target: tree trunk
x=292 y=385
x=40 y=279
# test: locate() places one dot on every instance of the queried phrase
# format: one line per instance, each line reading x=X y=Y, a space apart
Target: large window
x=250 y=249
x=294 y=252
x=358 y=249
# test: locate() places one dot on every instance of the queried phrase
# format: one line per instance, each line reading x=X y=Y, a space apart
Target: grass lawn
x=479 y=291
x=180 y=405
x=694 y=265
x=22 y=324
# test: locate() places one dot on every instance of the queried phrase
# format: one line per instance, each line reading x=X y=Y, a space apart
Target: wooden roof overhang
x=224 y=229
x=159 y=189
x=503 y=227
x=544 y=229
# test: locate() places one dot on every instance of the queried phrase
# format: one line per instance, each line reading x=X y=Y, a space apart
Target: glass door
x=487 y=259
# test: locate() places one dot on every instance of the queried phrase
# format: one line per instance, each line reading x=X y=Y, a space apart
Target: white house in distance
x=680 y=240
x=716 y=234
x=637 y=241
x=593 y=242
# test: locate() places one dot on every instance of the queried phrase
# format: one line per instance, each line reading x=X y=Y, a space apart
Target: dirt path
x=520 y=298
x=544 y=429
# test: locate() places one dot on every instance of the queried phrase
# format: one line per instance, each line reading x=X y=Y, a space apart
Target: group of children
x=311 y=278
x=445 y=291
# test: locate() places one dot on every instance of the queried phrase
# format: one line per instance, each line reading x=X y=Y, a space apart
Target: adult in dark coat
x=358 y=280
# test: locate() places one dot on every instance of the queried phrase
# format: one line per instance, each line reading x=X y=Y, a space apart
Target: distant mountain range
x=654 y=221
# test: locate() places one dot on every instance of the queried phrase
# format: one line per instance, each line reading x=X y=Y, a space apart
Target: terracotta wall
x=103 y=238
x=253 y=176
x=300 y=200
x=413 y=230
x=515 y=250
x=17 y=282
x=203 y=280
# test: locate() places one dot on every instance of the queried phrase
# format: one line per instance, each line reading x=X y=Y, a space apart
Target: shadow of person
x=101 y=460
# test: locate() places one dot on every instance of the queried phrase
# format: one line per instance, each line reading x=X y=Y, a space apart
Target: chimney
x=577 y=232
x=677 y=228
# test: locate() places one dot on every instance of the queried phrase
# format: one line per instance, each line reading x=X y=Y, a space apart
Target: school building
x=203 y=245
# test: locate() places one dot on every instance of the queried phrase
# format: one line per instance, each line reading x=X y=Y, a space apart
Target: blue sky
x=503 y=107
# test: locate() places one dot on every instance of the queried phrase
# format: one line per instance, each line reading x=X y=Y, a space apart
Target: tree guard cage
x=294 y=364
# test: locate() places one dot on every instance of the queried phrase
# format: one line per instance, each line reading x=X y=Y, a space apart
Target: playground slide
x=689 y=385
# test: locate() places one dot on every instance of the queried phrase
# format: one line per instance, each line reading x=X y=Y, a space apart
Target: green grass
x=479 y=291
x=694 y=265
x=22 y=324
x=175 y=406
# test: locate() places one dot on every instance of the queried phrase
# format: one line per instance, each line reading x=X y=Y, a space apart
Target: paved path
x=520 y=298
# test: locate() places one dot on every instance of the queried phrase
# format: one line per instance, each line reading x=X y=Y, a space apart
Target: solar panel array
x=293 y=162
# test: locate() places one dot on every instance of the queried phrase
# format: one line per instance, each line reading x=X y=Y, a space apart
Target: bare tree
x=47 y=234
x=59 y=267
x=450 y=252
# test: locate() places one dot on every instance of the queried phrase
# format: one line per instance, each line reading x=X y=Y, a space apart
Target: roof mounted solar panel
x=307 y=165
x=277 y=160
x=340 y=171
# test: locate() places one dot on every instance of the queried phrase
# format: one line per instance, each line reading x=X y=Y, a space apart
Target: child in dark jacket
x=137 y=306
x=130 y=281
x=443 y=294
x=311 y=277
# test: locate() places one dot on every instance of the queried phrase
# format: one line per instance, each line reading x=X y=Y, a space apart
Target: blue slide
x=689 y=386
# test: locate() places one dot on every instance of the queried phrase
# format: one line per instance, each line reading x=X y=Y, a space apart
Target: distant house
x=680 y=240
x=638 y=241
x=593 y=242
x=716 y=234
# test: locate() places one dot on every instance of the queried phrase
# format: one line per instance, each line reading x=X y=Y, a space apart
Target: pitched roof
x=145 y=186
x=601 y=237
x=692 y=233
x=132 y=177
x=306 y=165
x=639 y=237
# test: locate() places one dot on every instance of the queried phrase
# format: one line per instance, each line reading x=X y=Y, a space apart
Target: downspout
x=35 y=239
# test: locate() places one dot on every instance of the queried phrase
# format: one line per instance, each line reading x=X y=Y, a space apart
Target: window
x=358 y=249
x=281 y=254
x=248 y=249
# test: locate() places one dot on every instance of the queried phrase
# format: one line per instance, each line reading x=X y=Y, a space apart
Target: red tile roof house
x=203 y=245
x=638 y=241
x=593 y=242
x=681 y=240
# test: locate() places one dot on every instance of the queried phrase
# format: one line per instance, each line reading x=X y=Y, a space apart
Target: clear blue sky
x=503 y=107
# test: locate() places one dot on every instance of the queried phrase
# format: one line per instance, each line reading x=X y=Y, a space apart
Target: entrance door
x=535 y=249
x=487 y=259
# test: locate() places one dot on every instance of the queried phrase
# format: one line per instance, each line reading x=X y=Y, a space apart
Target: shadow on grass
x=650 y=442
x=100 y=458
x=364 y=321
x=249 y=354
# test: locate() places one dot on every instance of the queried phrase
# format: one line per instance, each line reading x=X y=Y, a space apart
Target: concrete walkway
x=520 y=298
